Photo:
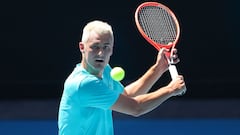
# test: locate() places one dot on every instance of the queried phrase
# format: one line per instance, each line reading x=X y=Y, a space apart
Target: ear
x=81 y=47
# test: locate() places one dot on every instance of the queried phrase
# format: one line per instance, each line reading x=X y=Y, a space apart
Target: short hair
x=97 y=26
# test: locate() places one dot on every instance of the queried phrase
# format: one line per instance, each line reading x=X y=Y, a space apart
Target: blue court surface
x=132 y=127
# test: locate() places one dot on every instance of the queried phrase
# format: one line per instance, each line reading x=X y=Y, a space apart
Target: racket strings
x=158 y=24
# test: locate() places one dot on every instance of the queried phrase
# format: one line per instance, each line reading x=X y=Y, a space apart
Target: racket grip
x=173 y=71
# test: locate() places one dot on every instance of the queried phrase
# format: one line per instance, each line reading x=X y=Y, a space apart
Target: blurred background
x=39 y=49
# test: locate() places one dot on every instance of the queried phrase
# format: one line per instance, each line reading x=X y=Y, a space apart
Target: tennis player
x=90 y=94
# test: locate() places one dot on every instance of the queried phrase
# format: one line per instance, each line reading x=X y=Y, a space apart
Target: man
x=90 y=94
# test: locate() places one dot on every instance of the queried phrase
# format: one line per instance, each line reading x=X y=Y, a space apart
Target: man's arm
x=145 y=83
x=144 y=103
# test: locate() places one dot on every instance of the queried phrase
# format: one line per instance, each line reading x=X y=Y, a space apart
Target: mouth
x=99 y=60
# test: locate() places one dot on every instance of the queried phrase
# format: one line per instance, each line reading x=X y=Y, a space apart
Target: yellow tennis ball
x=117 y=73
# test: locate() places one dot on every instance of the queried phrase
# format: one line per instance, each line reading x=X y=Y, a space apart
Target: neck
x=91 y=69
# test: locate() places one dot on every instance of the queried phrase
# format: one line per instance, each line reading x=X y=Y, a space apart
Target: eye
x=105 y=47
x=95 y=47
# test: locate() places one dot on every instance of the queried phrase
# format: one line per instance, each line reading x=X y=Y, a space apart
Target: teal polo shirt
x=86 y=101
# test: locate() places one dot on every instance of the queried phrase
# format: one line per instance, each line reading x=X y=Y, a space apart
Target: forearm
x=148 y=102
x=144 y=103
x=144 y=83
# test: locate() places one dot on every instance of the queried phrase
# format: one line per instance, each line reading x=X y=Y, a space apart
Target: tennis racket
x=160 y=27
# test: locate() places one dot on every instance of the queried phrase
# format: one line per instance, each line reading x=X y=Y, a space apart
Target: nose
x=100 y=52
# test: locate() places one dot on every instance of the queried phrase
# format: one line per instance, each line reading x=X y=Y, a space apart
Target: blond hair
x=97 y=26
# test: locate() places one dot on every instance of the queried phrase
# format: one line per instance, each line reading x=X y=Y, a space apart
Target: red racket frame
x=157 y=45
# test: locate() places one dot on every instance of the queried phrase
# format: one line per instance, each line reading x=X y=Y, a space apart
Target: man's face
x=96 y=52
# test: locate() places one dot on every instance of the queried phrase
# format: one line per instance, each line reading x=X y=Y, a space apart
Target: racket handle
x=173 y=71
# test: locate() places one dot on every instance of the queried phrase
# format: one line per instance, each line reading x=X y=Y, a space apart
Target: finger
x=180 y=77
x=175 y=61
x=174 y=56
x=174 y=50
x=163 y=50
